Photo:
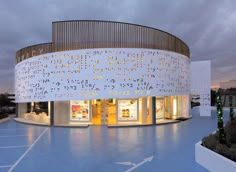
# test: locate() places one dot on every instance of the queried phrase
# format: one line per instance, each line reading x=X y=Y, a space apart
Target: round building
x=103 y=73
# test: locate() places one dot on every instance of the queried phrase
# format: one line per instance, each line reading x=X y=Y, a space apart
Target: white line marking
x=20 y=146
x=22 y=156
x=14 y=136
x=126 y=163
x=148 y=159
x=5 y=166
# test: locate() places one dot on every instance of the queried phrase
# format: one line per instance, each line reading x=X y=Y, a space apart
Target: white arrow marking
x=148 y=159
x=126 y=163
x=5 y=166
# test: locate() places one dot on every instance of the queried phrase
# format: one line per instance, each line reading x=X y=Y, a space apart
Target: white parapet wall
x=213 y=161
x=201 y=85
x=102 y=73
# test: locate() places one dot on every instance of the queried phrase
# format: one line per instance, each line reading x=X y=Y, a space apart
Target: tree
x=213 y=97
x=4 y=100
x=231 y=110
x=220 y=119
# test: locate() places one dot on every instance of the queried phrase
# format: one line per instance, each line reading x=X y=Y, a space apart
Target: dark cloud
x=208 y=27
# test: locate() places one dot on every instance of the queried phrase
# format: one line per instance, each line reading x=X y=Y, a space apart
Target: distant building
x=225 y=96
x=11 y=97
x=200 y=86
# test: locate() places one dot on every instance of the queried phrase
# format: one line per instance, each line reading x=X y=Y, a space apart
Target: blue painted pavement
x=101 y=149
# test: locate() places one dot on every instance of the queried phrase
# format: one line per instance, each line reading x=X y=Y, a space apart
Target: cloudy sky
x=207 y=26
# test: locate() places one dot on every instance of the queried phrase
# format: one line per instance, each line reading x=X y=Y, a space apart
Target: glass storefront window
x=172 y=107
x=35 y=111
x=79 y=110
x=128 y=110
x=37 y=107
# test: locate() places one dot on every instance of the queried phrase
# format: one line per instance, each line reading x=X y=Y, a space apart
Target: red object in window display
x=76 y=108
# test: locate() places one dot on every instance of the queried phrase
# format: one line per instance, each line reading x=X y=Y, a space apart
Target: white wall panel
x=201 y=85
x=102 y=73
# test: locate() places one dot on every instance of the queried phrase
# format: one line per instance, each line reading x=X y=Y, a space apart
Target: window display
x=159 y=108
x=37 y=107
x=128 y=110
x=79 y=110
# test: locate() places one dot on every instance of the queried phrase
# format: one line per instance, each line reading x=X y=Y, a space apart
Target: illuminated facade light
x=174 y=107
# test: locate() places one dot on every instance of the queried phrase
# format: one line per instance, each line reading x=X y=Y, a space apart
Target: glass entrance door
x=97 y=112
x=103 y=111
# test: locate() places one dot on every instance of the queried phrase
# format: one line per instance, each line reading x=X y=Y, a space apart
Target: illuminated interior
x=109 y=111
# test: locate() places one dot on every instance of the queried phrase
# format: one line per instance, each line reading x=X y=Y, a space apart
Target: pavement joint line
x=13 y=136
x=27 y=151
x=5 y=166
x=7 y=147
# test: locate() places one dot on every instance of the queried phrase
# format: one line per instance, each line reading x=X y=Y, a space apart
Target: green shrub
x=4 y=115
x=223 y=150
x=229 y=153
x=229 y=149
x=230 y=132
x=233 y=146
x=232 y=154
x=210 y=141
